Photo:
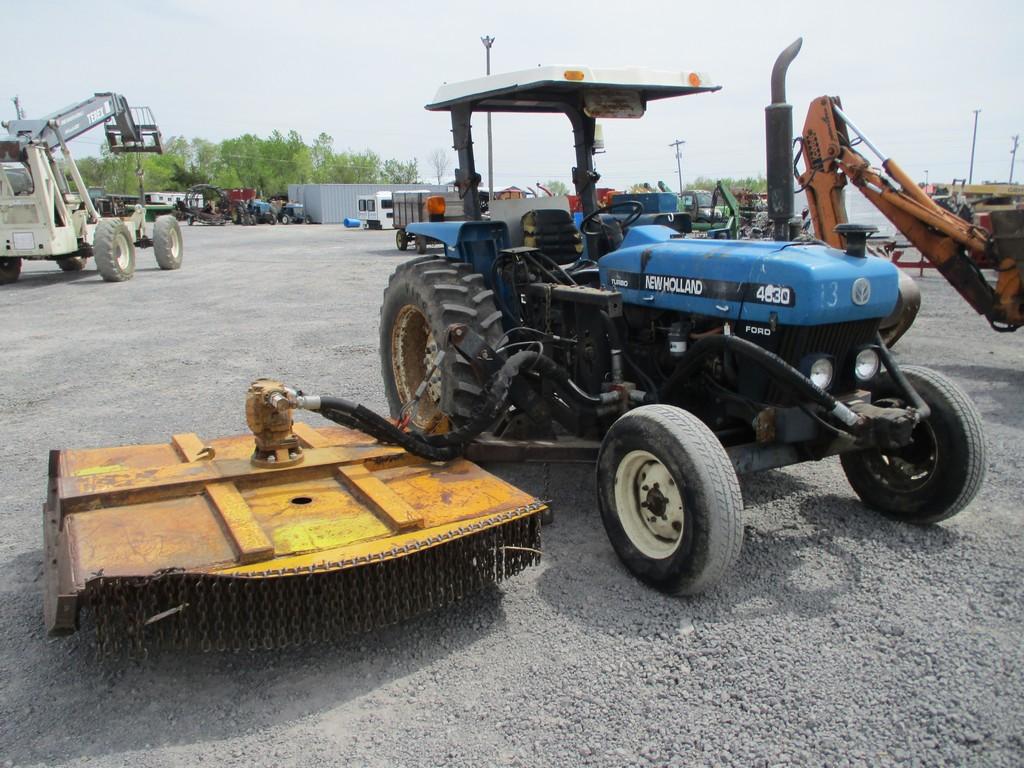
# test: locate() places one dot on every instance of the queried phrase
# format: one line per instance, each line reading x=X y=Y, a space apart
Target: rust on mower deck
x=179 y=543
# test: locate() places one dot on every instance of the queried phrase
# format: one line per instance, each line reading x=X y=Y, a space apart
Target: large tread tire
x=168 y=245
x=428 y=295
x=947 y=450
x=703 y=509
x=10 y=270
x=114 y=251
x=71 y=264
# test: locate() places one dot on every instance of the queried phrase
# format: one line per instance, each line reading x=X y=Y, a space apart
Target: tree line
x=267 y=165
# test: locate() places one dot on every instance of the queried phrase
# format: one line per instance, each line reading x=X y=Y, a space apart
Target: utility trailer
x=413 y=207
x=45 y=209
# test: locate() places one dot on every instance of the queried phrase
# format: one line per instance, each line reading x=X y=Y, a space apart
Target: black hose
x=901 y=381
x=450 y=445
x=778 y=369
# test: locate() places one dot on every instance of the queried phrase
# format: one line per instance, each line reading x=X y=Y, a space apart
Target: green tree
x=557 y=188
x=397 y=172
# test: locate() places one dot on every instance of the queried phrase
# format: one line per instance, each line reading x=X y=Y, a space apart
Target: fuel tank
x=754 y=280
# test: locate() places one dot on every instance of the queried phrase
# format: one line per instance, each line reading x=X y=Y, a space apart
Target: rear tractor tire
x=10 y=270
x=114 y=251
x=940 y=471
x=71 y=264
x=167 y=242
x=669 y=499
x=423 y=298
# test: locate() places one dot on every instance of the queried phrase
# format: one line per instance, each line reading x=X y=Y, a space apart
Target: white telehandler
x=45 y=208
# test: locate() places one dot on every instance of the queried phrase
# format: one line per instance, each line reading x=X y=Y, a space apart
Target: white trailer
x=377 y=211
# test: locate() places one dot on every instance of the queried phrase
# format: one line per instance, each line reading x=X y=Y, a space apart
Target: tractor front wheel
x=938 y=473
x=71 y=264
x=423 y=298
x=669 y=499
x=421 y=244
x=10 y=270
x=167 y=245
x=286 y=219
x=401 y=239
x=114 y=251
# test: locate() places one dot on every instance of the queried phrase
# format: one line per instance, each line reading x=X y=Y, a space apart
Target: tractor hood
x=800 y=284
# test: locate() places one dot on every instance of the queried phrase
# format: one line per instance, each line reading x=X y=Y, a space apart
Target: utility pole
x=679 y=165
x=1013 y=154
x=970 y=173
x=488 y=41
x=926 y=177
x=19 y=113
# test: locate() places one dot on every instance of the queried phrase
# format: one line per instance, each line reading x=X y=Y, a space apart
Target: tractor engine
x=635 y=320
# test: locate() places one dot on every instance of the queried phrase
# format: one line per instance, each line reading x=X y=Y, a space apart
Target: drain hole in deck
x=301 y=500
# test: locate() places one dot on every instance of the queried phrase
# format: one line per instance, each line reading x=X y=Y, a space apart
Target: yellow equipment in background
x=314 y=534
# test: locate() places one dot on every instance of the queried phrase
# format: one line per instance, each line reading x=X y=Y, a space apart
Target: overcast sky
x=909 y=73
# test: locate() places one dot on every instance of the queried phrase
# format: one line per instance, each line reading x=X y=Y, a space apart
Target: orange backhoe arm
x=957 y=248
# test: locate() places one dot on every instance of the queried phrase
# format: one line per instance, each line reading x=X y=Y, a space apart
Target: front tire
x=286 y=219
x=423 y=298
x=114 y=251
x=939 y=472
x=421 y=244
x=10 y=270
x=71 y=264
x=669 y=499
x=401 y=239
x=167 y=243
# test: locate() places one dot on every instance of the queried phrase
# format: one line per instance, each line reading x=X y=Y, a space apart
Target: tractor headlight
x=866 y=365
x=821 y=372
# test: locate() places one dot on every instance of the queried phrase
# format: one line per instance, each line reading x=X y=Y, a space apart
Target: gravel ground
x=840 y=638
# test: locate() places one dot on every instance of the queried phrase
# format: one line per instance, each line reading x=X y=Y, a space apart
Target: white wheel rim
x=122 y=254
x=649 y=504
x=175 y=243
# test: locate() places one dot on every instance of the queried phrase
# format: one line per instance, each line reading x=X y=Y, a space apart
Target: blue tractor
x=672 y=362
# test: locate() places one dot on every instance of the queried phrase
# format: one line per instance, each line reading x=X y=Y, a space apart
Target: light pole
x=488 y=41
x=970 y=173
x=679 y=166
x=926 y=177
x=1013 y=154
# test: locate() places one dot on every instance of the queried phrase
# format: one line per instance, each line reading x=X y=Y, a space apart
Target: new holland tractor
x=674 y=362
x=45 y=215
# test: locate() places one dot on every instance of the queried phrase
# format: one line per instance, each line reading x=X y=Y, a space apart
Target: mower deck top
x=194 y=507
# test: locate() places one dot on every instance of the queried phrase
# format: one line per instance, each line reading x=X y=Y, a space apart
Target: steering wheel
x=636 y=211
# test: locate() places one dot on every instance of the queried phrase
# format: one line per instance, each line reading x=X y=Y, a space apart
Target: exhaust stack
x=778 y=119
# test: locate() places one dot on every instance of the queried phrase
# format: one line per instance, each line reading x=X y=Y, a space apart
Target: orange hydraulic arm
x=956 y=247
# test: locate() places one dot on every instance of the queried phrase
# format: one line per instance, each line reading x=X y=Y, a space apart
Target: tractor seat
x=553 y=233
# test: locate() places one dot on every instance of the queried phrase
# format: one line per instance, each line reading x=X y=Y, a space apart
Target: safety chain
x=316 y=604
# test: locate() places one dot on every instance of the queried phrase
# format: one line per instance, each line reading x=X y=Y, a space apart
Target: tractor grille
x=836 y=339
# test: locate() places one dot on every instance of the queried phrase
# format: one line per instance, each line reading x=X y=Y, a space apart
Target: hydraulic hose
x=777 y=368
x=450 y=445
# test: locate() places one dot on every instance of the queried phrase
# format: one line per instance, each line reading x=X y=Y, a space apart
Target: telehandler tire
x=71 y=264
x=10 y=270
x=423 y=298
x=167 y=243
x=940 y=471
x=669 y=499
x=114 y=251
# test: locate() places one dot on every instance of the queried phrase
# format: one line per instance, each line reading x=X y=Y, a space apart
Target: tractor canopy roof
x=603 y=92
